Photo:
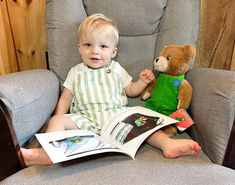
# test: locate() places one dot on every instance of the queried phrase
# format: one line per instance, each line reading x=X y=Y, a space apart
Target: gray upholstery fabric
x=181 y=29
x=150 y=167
x=134 y=59
x=62 y=21
x=132 y=17
x=137 y=25
x=213 y=109
x=145 y=30
x=31 y=97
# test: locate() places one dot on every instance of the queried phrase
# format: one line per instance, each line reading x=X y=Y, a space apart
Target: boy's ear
x=114 y=52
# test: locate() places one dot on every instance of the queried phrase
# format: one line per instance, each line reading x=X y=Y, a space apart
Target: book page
x=70 y=144
x=129 y=128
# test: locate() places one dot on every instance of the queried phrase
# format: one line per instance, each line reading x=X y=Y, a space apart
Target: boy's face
x=97 y=48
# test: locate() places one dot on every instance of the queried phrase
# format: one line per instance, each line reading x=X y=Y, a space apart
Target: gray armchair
x=28 y=99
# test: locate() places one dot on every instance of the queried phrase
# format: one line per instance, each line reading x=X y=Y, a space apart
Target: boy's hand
x=147 y=76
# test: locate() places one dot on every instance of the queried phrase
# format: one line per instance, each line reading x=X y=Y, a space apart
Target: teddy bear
x=170 y=91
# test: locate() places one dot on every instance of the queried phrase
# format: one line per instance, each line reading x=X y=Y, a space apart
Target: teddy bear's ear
x=190 y=51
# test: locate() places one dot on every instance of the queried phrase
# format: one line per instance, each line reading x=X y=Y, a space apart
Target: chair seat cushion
x=149 y=167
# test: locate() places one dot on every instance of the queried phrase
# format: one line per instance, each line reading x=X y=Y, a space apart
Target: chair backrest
x=145 y=28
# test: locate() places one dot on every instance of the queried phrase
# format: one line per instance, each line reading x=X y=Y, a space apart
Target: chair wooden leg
x=11 y=159
x=229 y=158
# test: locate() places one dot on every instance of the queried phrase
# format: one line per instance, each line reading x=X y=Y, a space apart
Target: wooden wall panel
x=215 y=45
x=8 y=60
x=232 y=66
x=28 y=28
x=217 y=34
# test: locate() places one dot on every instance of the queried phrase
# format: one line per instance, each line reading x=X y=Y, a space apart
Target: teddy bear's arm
x=148 y=90
x=185 y=95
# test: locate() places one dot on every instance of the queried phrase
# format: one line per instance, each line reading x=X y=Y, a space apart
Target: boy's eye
x=87 y=44
x=103 y=46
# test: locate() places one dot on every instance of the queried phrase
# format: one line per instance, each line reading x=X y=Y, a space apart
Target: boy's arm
x=136 y=88
x=64 y=102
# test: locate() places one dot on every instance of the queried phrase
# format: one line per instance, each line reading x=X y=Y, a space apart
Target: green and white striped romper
x=97 y=94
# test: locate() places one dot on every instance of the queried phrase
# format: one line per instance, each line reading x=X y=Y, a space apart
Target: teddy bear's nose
x=156 y=60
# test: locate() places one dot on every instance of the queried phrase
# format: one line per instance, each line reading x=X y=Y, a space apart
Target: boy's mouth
x=95 y=59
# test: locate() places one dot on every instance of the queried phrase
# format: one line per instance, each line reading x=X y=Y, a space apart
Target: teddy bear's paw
x=146 y=96
x=178 y=106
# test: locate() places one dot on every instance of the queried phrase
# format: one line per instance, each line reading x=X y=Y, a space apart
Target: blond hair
x=97 y=21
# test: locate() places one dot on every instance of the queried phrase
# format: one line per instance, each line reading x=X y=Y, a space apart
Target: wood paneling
x=232 y=67
x=217 y=35
x=28 y=28
x=8 y=60
x=23 y=39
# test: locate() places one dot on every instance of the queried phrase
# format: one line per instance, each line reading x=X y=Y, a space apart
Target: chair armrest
x=30 y=97
x=10 y=155
x=212 y=108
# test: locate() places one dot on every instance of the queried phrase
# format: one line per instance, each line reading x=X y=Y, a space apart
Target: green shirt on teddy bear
x=164 y=97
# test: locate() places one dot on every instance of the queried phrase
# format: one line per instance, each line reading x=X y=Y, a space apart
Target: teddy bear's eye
x=168 y=57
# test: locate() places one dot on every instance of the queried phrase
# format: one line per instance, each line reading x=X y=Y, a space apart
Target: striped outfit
x=97 y=94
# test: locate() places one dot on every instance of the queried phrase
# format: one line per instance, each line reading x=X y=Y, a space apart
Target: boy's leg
x=173 y=148
x=59 y=123
x=37 y=156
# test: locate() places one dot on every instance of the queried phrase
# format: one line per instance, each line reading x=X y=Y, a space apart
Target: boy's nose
x=94 y=50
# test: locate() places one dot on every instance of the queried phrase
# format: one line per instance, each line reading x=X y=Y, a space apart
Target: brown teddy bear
x=170 y=91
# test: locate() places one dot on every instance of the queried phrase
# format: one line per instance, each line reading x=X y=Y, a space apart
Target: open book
x=123 y=133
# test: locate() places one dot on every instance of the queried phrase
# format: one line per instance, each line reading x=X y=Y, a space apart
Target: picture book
x=123 y=133
x=185 y=121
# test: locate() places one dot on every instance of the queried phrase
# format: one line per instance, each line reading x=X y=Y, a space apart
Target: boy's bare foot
x=35 y=156
x=178 y=147
x=173 y=148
